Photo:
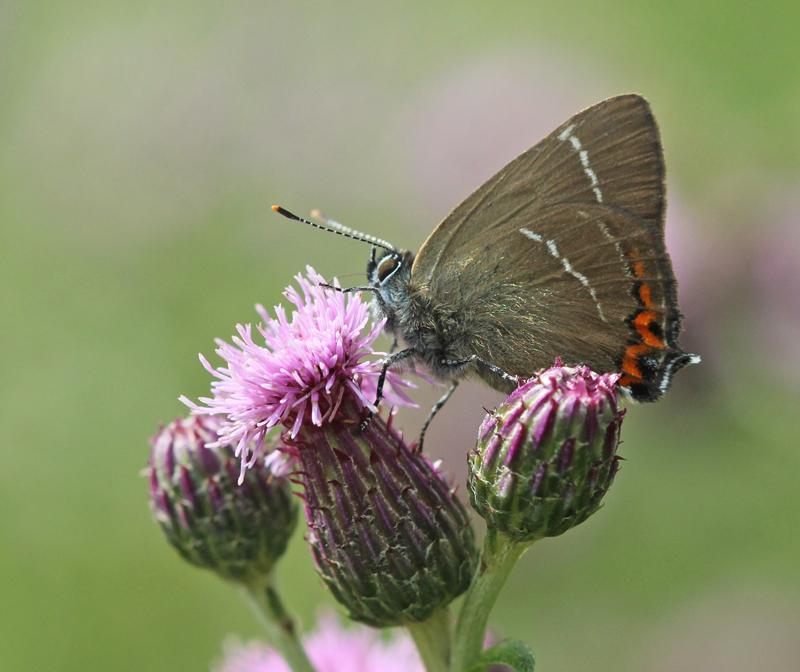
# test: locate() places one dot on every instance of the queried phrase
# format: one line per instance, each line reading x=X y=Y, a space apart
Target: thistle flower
x=546 y=457
x=388 y=535
x=239 y=531
x=302 y=374
x=331 y=648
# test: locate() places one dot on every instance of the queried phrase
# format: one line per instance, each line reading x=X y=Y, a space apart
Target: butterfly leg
x=391 y=359
x=346 y=290
x=480 y=360
x=394 y=345
x=436 y=408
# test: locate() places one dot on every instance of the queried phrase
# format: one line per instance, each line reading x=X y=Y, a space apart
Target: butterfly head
x=389 y=275
x=381 y=271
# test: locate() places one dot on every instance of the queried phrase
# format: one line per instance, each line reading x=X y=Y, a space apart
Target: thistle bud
x=388 y=535
x=239 y=531
x=546 y=457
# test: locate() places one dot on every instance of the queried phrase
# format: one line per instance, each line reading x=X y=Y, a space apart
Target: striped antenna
x=335 y=227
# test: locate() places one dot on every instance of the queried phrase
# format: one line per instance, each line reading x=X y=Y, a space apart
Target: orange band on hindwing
x=647 y=337
x=647 y=326
x=630 y=362
x=644 y=295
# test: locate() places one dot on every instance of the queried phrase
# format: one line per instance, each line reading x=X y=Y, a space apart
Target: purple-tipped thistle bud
x=239 y=531
x=546 y=457
x=388 y=535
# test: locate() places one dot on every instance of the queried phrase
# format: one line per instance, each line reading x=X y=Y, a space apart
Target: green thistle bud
x=239 y=531
x=388 y=535
x=546 y=457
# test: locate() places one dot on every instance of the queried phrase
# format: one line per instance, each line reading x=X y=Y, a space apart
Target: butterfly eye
x=386 y=267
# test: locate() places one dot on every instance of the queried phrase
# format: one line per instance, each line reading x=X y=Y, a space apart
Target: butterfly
x=559 y=255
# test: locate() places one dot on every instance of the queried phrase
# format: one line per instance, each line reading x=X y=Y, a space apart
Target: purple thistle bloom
x=306 y=368
x=388 y=534
x=331 y=648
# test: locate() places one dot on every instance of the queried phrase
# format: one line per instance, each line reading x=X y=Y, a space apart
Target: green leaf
x=509 y=652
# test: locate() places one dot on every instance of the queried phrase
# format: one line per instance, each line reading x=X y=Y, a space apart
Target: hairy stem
x=279 y=625
x=434 y=639
x=500 y=554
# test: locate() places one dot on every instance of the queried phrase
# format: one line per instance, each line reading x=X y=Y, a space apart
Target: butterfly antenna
x=348 y=231
x=335 y=227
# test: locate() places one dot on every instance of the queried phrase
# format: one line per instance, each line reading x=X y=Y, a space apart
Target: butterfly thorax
x=435 y=331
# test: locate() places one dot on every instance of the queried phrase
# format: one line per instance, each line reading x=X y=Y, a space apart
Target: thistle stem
x=500 y=554
x=434 y=639
x=280 y=627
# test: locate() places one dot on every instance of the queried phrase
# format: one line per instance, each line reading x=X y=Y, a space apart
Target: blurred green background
x=141 y=145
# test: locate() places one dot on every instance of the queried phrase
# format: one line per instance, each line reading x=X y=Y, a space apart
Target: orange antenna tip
x=276 y=208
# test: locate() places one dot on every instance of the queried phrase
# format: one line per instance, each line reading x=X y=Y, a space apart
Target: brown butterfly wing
x=564 y=254
x=622 y=149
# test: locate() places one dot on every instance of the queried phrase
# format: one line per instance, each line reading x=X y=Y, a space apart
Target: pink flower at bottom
x=332 y=648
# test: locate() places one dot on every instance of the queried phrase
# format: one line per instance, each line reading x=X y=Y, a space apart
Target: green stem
x=434 y=640
x=279 y=625
x=500 y=554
